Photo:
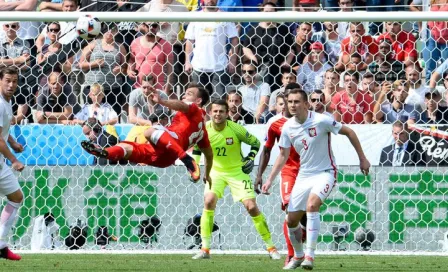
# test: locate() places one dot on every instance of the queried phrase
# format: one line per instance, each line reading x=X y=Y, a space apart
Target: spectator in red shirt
x=359 y=43
x=352 y=106
x=403 y=43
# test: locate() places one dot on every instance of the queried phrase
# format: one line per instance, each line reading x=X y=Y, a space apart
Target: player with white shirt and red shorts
x=288 y=173
x=309 y=133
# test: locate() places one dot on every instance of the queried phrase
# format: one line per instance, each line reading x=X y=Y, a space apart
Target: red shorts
x=286 y=185
x=150 y=155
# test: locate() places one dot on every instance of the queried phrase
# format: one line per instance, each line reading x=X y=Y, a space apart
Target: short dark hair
x=352 y=73
x=302 y=93
x=293 y=85
x=355 y=55
x=333 y=71
x=9 y=71
x=74 y=1
x=149 y=78
x=221 y=102
x=367 y=75
x=93 y=123
x=280 y=95
x=202 y=93
x=268 y=4
x=403 y=126
x=234 y=91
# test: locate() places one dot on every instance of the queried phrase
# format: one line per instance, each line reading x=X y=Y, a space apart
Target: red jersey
x=352 y=111
x=403 y=47
x=275 y=125
x=367 y=46
x=190 y=128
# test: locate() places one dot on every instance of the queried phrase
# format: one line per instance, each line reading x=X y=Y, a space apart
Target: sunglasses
x=314 y=100
x=250 y=72
x=54 y=30
x=11 y=26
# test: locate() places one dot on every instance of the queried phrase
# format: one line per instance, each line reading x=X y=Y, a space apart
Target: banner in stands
x=405 y=208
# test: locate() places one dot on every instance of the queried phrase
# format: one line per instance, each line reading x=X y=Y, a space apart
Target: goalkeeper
x=230 y=169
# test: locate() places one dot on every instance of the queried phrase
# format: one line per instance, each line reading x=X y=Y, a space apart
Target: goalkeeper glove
x=248 y=163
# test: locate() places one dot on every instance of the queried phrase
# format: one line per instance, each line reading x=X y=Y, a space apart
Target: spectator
x=227 y=5
x=404 y=152
x=55 y=101
x=437 y=74
x=370 y=86
x=417 y=90
x=331 y=85
x=317 y=101
x=359 y=43
x=169 y=31
x=388 y=110
x=437 y=43
x=151 y=55
x=264 y=45
x=28 y=30
x=381 y=5
x=255 y=93
x=403 y=43
x=103 y=62
x=13 y=50
x=311 y=74
x=301 y=48
x=288 y=77
x=306 y=5
x=50 y=6
x=141 y=106
x=352 y=106
x=207 y=42
x=435 y=113
x=386 y=67
x=331 y=40
x=280 y=105
x=236 y=111
x=344 y=27
x=93 y=130
x=101 y=111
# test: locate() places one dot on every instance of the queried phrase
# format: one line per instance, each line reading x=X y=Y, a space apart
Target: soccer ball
x=88 y=27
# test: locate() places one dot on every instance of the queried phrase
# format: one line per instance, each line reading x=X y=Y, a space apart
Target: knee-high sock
x=262 y=228
x=7 y=219
x=295 y=235
x=207 y=228
x=312 y=232
x=115 y=153
x=288 y=241
x=170 y=144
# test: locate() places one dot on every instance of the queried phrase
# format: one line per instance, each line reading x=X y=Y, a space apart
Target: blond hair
x=99 y=88
x=399 y=83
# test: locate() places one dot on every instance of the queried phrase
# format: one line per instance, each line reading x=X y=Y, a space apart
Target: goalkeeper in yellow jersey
x=231 y=169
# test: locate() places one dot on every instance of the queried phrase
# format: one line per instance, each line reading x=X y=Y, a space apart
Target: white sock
x=7 y=219
x=312 y=232
x=295 y=235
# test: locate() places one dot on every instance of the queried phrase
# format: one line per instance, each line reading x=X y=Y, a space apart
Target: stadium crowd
x=368 y=72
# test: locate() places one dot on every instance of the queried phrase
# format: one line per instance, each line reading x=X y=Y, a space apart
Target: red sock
x=288 y=242
x=168 y=142
x=115 y=153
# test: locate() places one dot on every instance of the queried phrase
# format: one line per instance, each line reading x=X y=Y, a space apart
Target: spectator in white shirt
x=417 y=90
x=255 y=93
x=99 y=110
x=207 y=42
x=311 y=74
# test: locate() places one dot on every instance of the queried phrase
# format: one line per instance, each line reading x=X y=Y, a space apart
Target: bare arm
x=188 y=51
x=208 y=163
x=234 y=52
x=265 y=156
x=377 y=112
x=435 y=77
x=21 y=112
x=175 y=105
x=4 y=149
x=278 y=165
x=351 y=135
x=169 y=73
x=27 y=5
x=84 y=63
x=368 y=117
x=50 y=5
x=133 y=119
x=249 y=54
x=264 y=101
x=10 y=6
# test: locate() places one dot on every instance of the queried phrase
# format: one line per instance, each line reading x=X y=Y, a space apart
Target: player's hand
x=18 y=148
x=258 y=184
x=18 y=166
x=364 y=165
x=188 y=68
x=265 y=188
x=208 y=179
x=248 y=163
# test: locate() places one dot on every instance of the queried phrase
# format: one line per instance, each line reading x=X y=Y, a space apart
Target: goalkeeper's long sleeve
x=246 y=137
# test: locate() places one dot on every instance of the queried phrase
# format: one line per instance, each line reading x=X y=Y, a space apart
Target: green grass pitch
x=242 y=263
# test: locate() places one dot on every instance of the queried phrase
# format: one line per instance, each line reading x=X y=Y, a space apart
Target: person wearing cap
x=402 y=42
x=141 y=107
x=435 y=112
x=311 y=74
x=386 y=67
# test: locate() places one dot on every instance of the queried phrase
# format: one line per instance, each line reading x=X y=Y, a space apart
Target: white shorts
x=8 y=181
x=320 y=184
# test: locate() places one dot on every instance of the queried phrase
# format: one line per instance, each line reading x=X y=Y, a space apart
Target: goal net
x=369 y=70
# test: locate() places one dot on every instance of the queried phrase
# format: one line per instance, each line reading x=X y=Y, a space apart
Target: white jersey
x=312 y=141
x=5 y=120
